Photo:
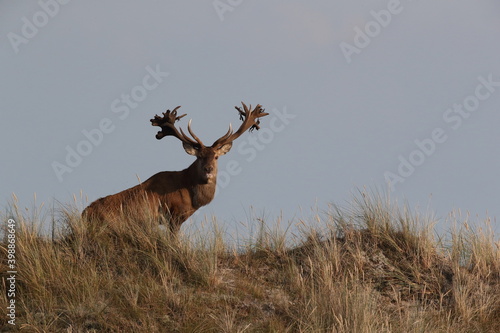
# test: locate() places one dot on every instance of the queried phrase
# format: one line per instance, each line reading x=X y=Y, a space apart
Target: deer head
x=206 y=157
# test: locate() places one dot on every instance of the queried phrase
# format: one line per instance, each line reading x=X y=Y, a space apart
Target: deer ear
x=225 y=148
x=191 y=150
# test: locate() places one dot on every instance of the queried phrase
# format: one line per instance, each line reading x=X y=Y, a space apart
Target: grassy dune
x=371 y=267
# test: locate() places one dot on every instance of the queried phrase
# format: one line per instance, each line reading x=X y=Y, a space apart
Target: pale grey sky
x=359 y=92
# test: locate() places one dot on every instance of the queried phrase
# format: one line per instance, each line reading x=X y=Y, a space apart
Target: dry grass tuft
x=374 y=268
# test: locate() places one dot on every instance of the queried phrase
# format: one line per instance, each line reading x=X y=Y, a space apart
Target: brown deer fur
x=171 y=197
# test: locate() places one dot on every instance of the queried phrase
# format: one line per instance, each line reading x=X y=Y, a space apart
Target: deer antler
x=168 y=128
x=250 y=119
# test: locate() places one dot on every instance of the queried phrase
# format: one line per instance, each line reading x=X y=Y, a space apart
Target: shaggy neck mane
x=201 y=194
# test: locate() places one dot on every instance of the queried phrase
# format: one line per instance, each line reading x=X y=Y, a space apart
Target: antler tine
x=192 y=134
x=175 y=111
x=250 y=121
x=168 y=128
x=243 y=114
x=223 y=138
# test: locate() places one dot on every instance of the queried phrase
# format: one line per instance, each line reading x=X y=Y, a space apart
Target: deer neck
x=201 y=193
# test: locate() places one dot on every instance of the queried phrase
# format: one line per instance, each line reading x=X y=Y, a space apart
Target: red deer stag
x=173 y=196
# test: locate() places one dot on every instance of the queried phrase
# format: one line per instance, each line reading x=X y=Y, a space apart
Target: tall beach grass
x=370 y=267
